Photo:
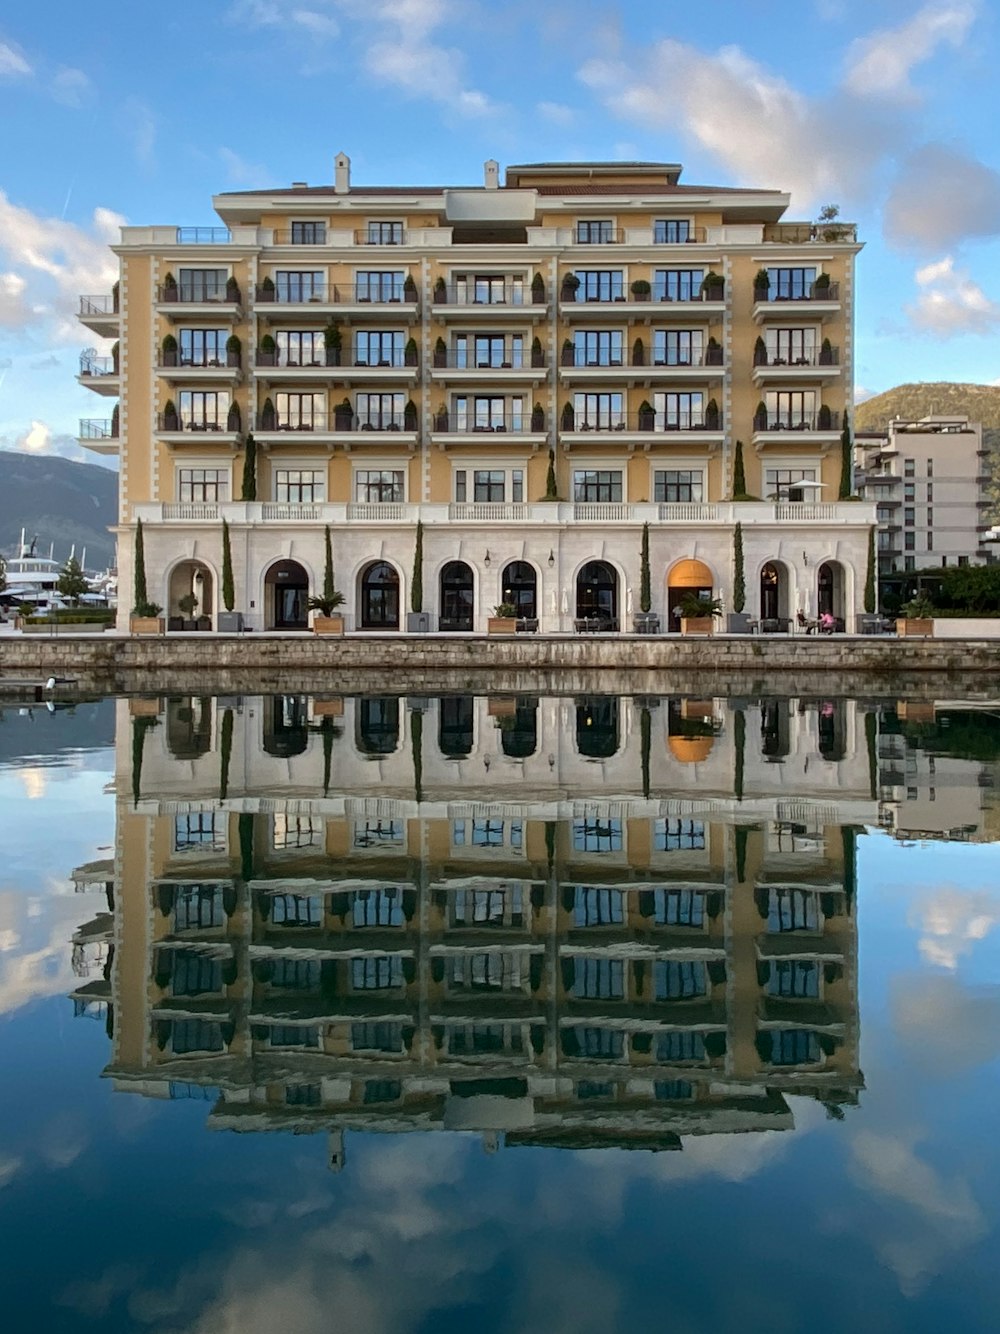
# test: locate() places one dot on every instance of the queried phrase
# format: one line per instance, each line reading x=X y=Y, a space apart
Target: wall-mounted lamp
x=486 y=558
x=552 y=558
x=805 y=559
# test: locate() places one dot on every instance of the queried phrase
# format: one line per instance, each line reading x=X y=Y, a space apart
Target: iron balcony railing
x=798 y=421
x=334 y=359
x=322 y=293
x=465 y=423
x=816 y=292
x=619 y=294
x=99 y=305
x=98 y=428
x=175 y=421
x=802 y=233
x=97 y=366
x=199 y=361
x=578 y=358
x=203 y=236
x=829 y=356
x=506 y=359
x=491 y=294
x=194 y=293
x=339 y=420
x=378 y=234
x=570 y=420
x=313 y=233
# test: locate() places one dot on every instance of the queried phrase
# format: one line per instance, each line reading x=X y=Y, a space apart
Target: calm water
x=500 y=1014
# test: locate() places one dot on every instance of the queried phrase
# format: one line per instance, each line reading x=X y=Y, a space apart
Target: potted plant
x=409 y=290
x=268 y=416
x=248 y=486
x=145 y=618
x=713 y=352
x=713 y=286
x=116 y=349
x=267 y=289
x=821 y=287
x=824 y=418
x=327 y=602
x=440 y=291
x=410 y=416
x=551 y=489
x=759 y=352
x=410 y=352
x=233 y=420
x=570 y=283
x=230 y=622
x=738 y=621
x=440 y=354
x=537 y=354
x=169 y=287
x=171 y=421
x=169 y=346
x=698 y=614
x=232 y=289
x=332 y=343
x=641 y=289
x=917 y=618
x=418 y=620
x=186 y=605
x=826 y=353
x=568 y=355
x=647 y=416
x=343 y=416
x=568 y=417
x=638 y=353
x=503 y=621
x=761 y=285
x=233 y=349
x=115 y=421
x=538 y=290
x=537 y=418
x=646 y=623
x=760 y=416
x=441 y=419
x=267 y=352
x=712 y=418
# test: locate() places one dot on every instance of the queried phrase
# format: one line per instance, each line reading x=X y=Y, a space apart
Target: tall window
x=488 y=289
x=300 y=284
x=379 y=284
x=299 y=486
x=670 y=231
x=677 y=979
x=600 y=284
x=598 y=907
x=203 y=409
x=678 y=907
x=297 y=909
x=781 y=482
x=597 y=835
x=597 y=232
x=201 y=284
x=202 y=484
x=678 y=835
x=379 y=347
x=202 y=347
x=301 y=412
x=308 y=233
x=377 y=907
x=679 y=412
x=792 y=910
x=488 y=907
x=382 y=973
x=793 y=347
x=678 y=485
x=678 y=347
x=380 y=412
x=385 y=233
x=598 y=412
x=791 y=409
x=197 y=907
x=379 y=834
x=794 y=978
x=790 y=284
x=300 y=347
x=596 y=484
x=677 y=284
x=597 y=347
x=598 y=979
x=488 y=351
x=196 y=830
x=296 y=831
x=489 y=412
x=378 y=486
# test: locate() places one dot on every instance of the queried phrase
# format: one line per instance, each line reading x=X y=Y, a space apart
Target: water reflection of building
x=570 y=922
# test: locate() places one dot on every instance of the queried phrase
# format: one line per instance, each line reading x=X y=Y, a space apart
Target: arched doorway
x=287 y=596
x=457 y=597
x=597 y=727
x=456 y=726
x=597 y=593
x=190 y=597
x=688 y=578
x=379 y=597
x=774 y=613
x=376 y=725
x=830 y=589
x=520 y=585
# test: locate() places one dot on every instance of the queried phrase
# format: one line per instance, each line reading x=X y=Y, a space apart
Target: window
x=483 y=1039
x=600 y=285
x=202 y=347
x=379 y=284
x=790 y=409
x=490 y=485
x=791 y=347
x=672 y=1090
x=595 y=232
x=197 y=907
x=489 y=907
x=597 y=835
x=598 y=412
x=488 y=351
x=379 y=834
x=794 y=978
x=930 y=467
x=379 y=486
x=930 y=543
x=378 y=347
x=487 y=485
x=295 y=974
x=308 y=233
x=196 y=830
x=377 y=907
x=679 y=979
x=297 y=831
x=792 y=910
x=930 y=518
x=380 y=412
x=598 y=907
x=678 y=347
x=908 y=517
x=377 y=1036
x=790 y=284
x=596 y=1043
x=190 y=1035
x=910 y=541
x=588 y=1089
x=909 y=490
x=291 y=1035
x=300 y=347
x=297 y=909
x=591 y=485
x=382 y=1090
x=488 y=289
x=203 y=410
x=202 y=484
x=597 y=347
x=793 y=1046
x=679 y=412
x=202 y=284
x=485 y=833
x=678 y=485
x=930 y=492
x=299 y=285
x=671 y=231
x=384 y=972
x=677 y=284
x=598 y=979
x=673 y=835
x=195 y=973
x=300 y=412
x=962 y=560
x=678 y=907
x=909 y=468
x=299 y=486
x=385 y=233
x=488 y=412
x=302 y=1095
x=492 y=971
x=680 y=1045
x=781 y=482
x=909 y=564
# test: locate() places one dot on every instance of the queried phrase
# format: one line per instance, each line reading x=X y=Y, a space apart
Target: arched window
x=286 y=726
x=769 y=592
x=597 y=727
x=457 y=599
x=380 y=597
x=519 y=587
x=287 y=587
x=597 y=592
x=455 y=726
x=519 y=731
x=376 y=729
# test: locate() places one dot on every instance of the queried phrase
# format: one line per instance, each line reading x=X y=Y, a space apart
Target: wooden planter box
x=328 y=625
x=145 y=625
x=501 y=625
x=328 y=708
x=908 y=627
x=696 y=625
x=501 y=708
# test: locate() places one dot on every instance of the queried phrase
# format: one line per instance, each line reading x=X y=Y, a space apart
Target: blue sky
x=887 y=108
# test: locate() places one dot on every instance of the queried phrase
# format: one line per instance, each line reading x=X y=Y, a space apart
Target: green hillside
x=61 y=503
x=978 y=402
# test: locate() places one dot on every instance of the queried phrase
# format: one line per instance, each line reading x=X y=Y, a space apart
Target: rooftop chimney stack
x=342 y=174
x=491 y=173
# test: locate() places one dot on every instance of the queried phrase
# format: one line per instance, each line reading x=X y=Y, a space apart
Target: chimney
x=491 y=174
x=300 y=185
x=341 y=174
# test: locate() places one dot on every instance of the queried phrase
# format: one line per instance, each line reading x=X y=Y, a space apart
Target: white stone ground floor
x=554 y=564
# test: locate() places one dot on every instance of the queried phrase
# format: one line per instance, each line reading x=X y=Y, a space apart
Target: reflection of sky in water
x=127 y=1213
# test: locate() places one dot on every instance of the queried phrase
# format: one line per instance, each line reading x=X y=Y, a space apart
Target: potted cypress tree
x=441 y=418
x=171 y=421
x=409 y=290
x=440 y=291
x=713 y=352
x=267 y=352
x=821 y=287
x=826 y=353
x=738 y=621
x=232 y=290
x=169 y=287
x=647 y=416
x=233 y=349
x=233 y=418
x=248 y=488
x=824 y=418
x=568 y=417
x=638 y=353
x=568 y=356
x=646 y=623
x=538 y=290
x=537 y=418
x=410 y=352
x=760 y=416
x=343 y=416
x=759 y=352
x=537 y=354
x=570 y=284
x=327 y=602
x=267 y=291
x=410 y=416
x=440 y=354
x=713 y=286
x=145 y=618
x=268 y=416
x=551 y=489
x=230 y=622
x=332 y=343
x=418 y=620
x=169 y=348
x=761 y=285
x=712 y=418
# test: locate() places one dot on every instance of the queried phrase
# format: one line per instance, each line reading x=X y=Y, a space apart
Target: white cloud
x=71 y=87
x=39 y=438
x=556 y=112
x=240 y=172
x=940 y=197
x=950 y=303
x=945 y=1026
x=319 y=25
x=12 y=63
x=16 y=310
x=880 y=64
x=951 y=920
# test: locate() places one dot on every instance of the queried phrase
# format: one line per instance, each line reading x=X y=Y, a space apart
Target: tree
x=3 y=575
x=225 y=751
x=846 y=462
x=249 y=488
x=739 y=476
x=869 y=602
x=140 y=600
x=228 y=591
x=417 y=586
x=551 y=490
x=645 y=599
x=330 y=599
x=739 y=579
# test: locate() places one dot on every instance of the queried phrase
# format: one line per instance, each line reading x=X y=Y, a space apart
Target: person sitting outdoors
x=826 y=623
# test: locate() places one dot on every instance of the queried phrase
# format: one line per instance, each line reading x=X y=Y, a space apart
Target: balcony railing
x=376 y=236
x=377 y=511
x=334 y=359
x=98 y=305
x=509 y=359
x=98 y=428
x=172 y=421
x=198 y=293
x=816 y=292
x=97 y=366
x=488 y=511
x=829 y=356
x=337 y=420
x=199 y=361
x=203 y=236
x=501 y=294
x=312 y=234
x=578 y=359
x=452 y=423
x=656 y=295
x=641 y=421
x=803 y=233
x=807 y=421
x=329 y=294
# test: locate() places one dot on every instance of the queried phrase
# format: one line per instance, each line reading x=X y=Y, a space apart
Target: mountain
x=59 y=501
x=978 y=402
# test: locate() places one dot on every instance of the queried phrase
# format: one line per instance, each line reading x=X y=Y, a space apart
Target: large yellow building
x=534 y=369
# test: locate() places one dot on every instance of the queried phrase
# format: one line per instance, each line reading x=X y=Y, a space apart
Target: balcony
x=822 y=299
x=178 y=430
x=817 y=363
x=184 y=300
x=396 y=369
x=337 y=427
x=510 y=366
x=99 y=374
x=99 y=434
x=643 y=308
x=100 y=314
x=521 y=428
x=810 y=233
x=179 y=368
x=783 y=430
x=203 y=236
x=500 y=301
x=354 y=302
x=575 y=368
x=647 y=428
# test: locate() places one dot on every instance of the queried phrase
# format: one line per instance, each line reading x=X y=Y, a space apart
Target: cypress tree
x=846 y=469
x=139 y=598
x=739 y=579
x=417 y=587
x=249 y=488
x=869 y=602
x=551 y=491
x=228 y=591
x=645 y=600
x=225 y=752
x=329 y=590
x=739 y=476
